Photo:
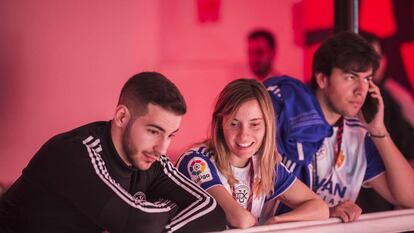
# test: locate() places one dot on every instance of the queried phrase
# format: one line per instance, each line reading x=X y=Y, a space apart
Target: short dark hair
x=151 y=87
x=265 y=34
x=370 y=37
x=347 y=51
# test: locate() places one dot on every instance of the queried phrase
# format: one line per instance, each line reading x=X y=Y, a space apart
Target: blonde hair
x=229 y=101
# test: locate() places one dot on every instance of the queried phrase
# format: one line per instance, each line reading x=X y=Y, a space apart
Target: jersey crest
x=241 y=194
x=340 y=160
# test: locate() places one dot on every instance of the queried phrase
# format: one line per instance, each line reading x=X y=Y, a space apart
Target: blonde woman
x=239 y=165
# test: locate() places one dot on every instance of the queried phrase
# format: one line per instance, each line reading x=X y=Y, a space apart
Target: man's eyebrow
x=356 y=74
x=175 y=131
x=369 y=76
x=351 y=72
x=157 y=126
x=162 y=129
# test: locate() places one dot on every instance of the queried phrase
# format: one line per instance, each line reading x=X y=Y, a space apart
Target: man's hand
x=376 y=126
x=347 y=211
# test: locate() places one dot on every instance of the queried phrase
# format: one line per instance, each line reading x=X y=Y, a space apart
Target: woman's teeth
x=244 y=145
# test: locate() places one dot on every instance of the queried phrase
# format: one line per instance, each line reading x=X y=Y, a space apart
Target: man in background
x=261 y=51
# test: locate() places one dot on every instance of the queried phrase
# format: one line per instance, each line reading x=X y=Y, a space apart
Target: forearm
x=236 y=215
x=197 y=209
x=314 y=209
x=241 y=218
x=399 y=173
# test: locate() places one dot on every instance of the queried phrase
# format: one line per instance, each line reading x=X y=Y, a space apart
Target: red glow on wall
x=375 y=16
x=208 y=10
x=407 y=52
x=308 y=64
x=378 y=19
x=318 y=20
x=319 y=14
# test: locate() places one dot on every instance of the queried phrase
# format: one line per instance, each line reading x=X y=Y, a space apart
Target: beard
x=344 y=111
x=127 y=145
x=262 y=70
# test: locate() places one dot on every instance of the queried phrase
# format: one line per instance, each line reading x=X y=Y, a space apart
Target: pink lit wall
x=62 y=63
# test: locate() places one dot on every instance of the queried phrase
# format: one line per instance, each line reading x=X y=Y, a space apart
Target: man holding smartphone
x=333 y=137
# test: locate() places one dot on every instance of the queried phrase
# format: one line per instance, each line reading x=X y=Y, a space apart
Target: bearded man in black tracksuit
x=113 y=176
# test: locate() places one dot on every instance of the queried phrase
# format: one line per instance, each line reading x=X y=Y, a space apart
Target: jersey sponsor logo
x=331 y=192
x=241 y=194
x=332 y=187
x=199 y=171
x=330 y=200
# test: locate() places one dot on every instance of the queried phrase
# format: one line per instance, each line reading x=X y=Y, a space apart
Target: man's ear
x=122 y=116
x=321 y=80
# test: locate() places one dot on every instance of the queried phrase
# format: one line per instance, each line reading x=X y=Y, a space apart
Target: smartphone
x=369 y=108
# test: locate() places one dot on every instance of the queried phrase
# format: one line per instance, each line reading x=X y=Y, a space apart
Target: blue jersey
x=198 y=164
x=305 y=139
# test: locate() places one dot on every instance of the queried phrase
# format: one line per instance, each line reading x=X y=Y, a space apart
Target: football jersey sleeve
x=375 y=166
x=197 y=166
x=284 y=180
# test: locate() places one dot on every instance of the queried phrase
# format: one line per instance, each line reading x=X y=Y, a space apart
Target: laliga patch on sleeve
x=199 y=170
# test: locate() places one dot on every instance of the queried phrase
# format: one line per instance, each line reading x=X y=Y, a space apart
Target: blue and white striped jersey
x=199 y=165
x=359 y=162
x=303 y=135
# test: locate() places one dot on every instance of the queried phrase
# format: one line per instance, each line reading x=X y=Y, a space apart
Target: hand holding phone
x=369 y=108
x=373 y=110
